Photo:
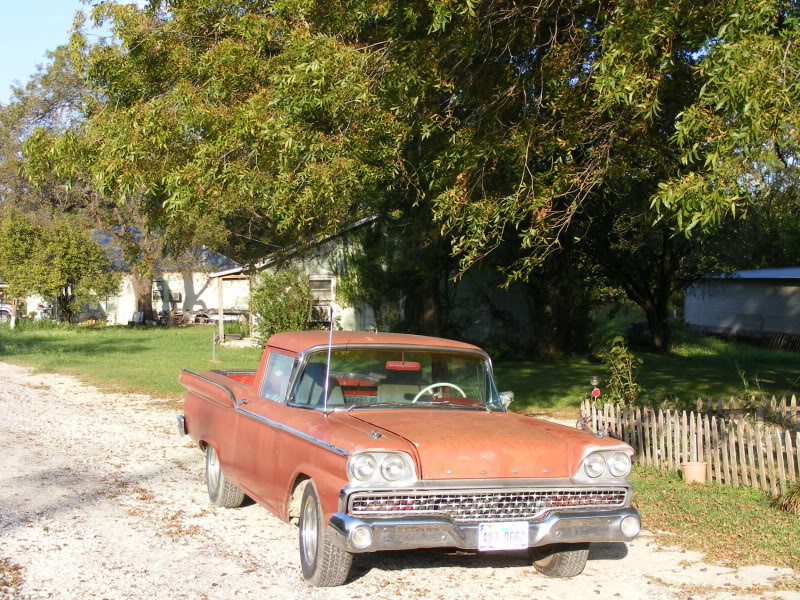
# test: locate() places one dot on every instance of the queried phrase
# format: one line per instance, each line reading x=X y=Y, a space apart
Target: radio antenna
x=328 y=365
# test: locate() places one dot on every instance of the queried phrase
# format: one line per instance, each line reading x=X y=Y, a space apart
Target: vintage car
x=387 y=441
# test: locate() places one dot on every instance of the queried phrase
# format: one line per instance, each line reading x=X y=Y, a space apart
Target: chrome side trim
x=270 y=422
x=293 y=431
x=234 y=371
x=224 y=388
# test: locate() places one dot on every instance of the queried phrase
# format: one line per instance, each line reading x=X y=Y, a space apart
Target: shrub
x=238 y=327
x=623 y=366
x=280 y=302
x=790 y=499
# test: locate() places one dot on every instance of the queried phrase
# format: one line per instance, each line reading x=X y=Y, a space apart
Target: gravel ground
x=99 y=498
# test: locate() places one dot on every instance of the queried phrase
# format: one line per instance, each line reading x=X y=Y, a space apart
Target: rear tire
x=323 y=564
x=221 y=492
x=560 y=560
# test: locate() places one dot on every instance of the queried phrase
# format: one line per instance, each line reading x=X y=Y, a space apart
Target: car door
x=258 y=426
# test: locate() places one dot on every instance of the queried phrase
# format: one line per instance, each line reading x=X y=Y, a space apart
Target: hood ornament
x=375 y=434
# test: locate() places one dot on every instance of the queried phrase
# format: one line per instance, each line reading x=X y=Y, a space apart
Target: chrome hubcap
x=212 y=468
x=309 y=531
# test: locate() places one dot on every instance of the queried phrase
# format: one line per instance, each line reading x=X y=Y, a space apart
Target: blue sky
x=28 y=29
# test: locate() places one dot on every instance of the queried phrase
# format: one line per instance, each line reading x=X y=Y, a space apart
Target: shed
x=755 y=302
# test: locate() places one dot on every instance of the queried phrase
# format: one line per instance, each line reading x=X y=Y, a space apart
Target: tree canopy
x=57 y=259
x=477 y=123
x=286 y=117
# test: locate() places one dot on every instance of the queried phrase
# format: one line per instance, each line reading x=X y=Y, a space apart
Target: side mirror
x=506 y=398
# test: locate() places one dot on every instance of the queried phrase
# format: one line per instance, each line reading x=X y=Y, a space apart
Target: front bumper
x=407 y=533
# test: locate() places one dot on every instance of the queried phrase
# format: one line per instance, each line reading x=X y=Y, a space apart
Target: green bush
x=280 y=302
x=623 y=366
x=237 y=327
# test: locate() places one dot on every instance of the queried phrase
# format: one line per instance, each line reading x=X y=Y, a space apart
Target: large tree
x=494 y=122
x=52 y=104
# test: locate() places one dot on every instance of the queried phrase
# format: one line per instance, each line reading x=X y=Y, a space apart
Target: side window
x=276 y=378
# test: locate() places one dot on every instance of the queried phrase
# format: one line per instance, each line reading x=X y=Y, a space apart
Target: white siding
x=326 y=261
x=744 y=306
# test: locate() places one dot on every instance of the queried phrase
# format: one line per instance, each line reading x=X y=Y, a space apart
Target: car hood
x=454 y=444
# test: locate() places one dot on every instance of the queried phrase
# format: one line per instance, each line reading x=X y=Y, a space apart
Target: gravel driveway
x=100 y=498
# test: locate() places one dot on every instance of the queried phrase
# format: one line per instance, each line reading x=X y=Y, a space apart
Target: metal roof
x=776 y=273
x=268 y=260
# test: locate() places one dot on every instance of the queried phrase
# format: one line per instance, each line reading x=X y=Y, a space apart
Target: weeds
x=789 y=500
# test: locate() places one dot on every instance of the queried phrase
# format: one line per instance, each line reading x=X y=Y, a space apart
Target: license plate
x=511 y=535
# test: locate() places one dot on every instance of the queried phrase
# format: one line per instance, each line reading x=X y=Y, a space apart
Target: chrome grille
x=469 y=506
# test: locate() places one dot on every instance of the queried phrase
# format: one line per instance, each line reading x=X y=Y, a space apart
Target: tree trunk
x=65 y=299
x=431 y=313
x=143 y=290
x=13 y=322
x=659 y=326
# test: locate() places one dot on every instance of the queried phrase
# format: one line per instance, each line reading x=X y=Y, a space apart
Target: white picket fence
x=741 y=445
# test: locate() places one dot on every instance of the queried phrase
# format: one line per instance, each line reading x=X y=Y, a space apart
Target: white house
x=181 y=287
x=485 y=309
x=323 y=262
x=760 y=301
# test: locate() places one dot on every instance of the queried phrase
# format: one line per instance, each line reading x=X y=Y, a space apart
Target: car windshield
x=361 y=377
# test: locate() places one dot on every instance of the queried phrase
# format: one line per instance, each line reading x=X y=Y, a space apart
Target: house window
x=322 y=293
x=321 y=290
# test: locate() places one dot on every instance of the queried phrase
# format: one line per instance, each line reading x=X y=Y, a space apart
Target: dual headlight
x=380 y=467
x=617 y=464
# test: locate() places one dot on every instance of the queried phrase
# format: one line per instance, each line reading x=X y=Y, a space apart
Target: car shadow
x=442 y=558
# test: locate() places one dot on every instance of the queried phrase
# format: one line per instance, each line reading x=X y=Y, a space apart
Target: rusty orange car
x=380 y=441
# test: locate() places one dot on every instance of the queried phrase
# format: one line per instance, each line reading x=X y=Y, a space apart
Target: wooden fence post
x=789 y=457
x=708 y=456
x=670 y=457
x=700 y=443
x=752 y=450
x=684 y=438
x=779 y=453
x=731 y=433
x=740 y=430
x=773 y=484
x=726 y=465
x=762 y=470
x=640 y=435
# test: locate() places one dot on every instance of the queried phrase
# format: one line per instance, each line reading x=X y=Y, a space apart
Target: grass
x=149 y=360
x=732 y=526
x=122 y=359
x=699 y=367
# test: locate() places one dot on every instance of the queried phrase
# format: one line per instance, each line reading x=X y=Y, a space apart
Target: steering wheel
x=436 y=385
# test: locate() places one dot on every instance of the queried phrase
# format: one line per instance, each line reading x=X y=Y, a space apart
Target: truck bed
x=242 y=376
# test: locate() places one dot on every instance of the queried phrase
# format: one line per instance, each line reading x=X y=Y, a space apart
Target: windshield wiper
x=378 y=404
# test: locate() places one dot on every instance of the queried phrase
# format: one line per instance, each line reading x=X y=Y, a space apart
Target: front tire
x=221 y=492
x=560 y=560
x=323 y=564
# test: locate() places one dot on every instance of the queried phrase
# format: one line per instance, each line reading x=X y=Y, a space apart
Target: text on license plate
x=511 y=535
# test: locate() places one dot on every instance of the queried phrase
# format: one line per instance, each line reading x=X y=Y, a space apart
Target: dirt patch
x=99 y=498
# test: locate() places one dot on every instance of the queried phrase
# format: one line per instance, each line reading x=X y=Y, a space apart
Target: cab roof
x=298 y=341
